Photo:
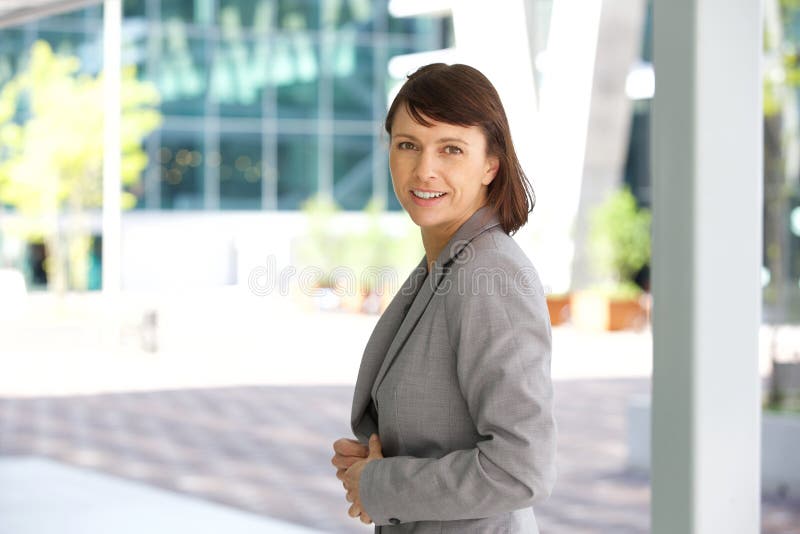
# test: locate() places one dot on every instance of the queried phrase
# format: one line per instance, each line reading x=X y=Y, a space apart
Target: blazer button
x=394 y=521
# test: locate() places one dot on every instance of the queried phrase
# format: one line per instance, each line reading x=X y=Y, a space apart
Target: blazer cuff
x=369 y=492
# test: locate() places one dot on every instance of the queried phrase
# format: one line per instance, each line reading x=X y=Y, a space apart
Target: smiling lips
x=426 y=198
x=419 y=193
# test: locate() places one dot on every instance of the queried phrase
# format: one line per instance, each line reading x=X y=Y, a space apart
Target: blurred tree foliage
x=364 y=252
x=619 y=241
x=781 y=138
x=51 y=153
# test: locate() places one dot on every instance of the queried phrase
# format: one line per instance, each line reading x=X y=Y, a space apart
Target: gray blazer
x=455 y=379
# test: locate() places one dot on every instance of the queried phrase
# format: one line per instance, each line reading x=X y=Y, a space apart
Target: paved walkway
x=41 y=496
x=267 y=450
x=207 y=417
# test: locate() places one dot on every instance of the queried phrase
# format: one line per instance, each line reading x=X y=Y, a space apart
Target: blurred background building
x=267 y=103
x=264 y=103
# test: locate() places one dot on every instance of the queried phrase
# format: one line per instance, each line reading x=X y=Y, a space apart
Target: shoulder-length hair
x=461 y=95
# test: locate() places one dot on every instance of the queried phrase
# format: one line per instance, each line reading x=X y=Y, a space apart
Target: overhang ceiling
x=16 y=12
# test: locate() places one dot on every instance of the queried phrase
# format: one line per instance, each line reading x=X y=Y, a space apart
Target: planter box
x=594 y=311
x=558 y=306
x=780 y=447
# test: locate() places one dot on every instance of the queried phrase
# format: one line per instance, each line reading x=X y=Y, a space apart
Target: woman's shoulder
x=494 y=264
x=494 y=249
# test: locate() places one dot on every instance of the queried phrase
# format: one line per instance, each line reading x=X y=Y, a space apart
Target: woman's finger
x=365 y=518
x=349 y=497
x=340 y=474
x=344 y=462
x=354 y=510
x=350 y=447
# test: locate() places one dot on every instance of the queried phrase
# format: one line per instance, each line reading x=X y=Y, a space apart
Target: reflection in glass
x=255 y=15
x=347 y=13
x=294 y=70
x=297 y=170
x=220 y=63
x=179 y=75
x=12 y=43
x=133 y=8
x=240 y=171
x=180 y=159
x=353 y=81
x=189 y=12
x=352 y=171
x=298 y=14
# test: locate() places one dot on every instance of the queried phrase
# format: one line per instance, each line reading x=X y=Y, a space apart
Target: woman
x=453 y=402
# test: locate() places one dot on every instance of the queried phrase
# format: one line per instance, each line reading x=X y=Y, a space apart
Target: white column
x=707 y=192
x=112 y=181
x=550 y=141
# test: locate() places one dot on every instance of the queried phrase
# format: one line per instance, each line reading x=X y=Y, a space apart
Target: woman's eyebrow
x=451 y=139
x=441 y=140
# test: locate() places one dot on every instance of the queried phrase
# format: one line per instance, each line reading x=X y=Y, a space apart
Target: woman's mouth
x=426 y=198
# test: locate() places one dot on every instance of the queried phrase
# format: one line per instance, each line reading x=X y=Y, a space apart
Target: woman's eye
x=405 y=145
x=452 y=149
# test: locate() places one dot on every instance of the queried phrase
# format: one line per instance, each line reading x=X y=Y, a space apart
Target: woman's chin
x=422 y=219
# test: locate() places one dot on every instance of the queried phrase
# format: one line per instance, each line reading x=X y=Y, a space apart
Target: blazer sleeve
x=501 y=335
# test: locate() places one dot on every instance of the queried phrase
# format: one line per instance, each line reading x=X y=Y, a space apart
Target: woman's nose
x=426 y=164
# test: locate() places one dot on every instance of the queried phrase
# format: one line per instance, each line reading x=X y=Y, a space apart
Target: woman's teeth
x=422 y=194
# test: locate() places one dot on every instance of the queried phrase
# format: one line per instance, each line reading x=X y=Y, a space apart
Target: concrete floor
x=43 y=496
x=243 y=401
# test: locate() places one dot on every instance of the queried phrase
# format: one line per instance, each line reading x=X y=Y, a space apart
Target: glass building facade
x=264 y=102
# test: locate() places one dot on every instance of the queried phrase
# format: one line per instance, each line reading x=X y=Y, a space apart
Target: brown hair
x=462 y=95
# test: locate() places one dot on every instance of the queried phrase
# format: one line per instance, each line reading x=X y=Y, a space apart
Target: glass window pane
x=133 y=8
x=139 y=187
x=188 y=11
x=297 y=170
x=294 y=72
x=72 y=20
x=179 y=71
x=361 y=14
x=240 y=171
x=257 y=15
x=298 y=14
x=352 y=171
x=12 y=46
x=414 y=25
x=237 y=75
x=352 y=80
x=134 y=46
x=181 y=160
x=86 y=47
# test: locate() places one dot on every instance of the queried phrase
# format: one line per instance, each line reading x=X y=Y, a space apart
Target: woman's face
x=446 y=160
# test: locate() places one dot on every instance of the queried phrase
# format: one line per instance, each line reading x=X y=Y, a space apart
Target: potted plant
x=360 y=268
x=558 y=306
x=619 y=245
x=318 y=249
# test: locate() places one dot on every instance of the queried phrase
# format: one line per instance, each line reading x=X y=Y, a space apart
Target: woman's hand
x=350 y=459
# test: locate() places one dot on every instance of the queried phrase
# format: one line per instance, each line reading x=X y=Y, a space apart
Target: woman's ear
x=492 y=166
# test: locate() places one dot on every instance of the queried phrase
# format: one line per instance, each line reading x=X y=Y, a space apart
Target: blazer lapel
x=480 y=221
x=378 y=346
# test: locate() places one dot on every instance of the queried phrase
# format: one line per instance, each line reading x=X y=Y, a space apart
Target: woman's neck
x=433 y=244
x=435 y=239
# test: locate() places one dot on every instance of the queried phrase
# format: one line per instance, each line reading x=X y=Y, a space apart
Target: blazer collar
x=480 y=221
x=402 y=315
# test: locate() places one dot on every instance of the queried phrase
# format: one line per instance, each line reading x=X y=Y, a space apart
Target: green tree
x=620 y=242
x=51 y=153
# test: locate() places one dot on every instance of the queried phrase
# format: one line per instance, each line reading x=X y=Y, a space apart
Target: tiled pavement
x=267 y=449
